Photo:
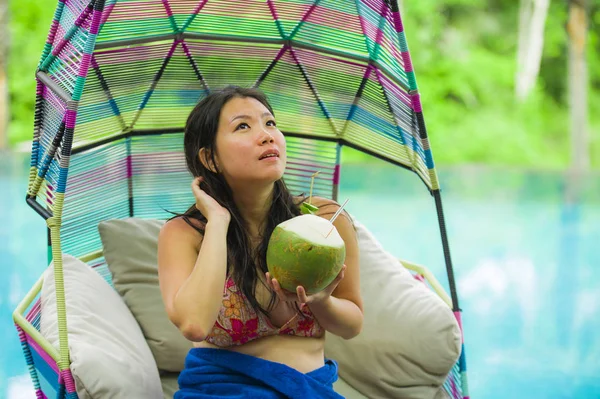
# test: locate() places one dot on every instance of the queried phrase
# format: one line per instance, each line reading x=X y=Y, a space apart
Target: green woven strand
x=300 y=24
x=54 y=224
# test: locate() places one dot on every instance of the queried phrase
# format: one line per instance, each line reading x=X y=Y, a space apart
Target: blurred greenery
x=464 y=54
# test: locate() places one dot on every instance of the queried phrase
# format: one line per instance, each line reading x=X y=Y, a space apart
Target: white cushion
x=410 y=339
x=109 y=356
x=130 y=249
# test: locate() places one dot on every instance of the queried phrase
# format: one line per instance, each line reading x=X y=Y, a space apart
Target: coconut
x=306 y=250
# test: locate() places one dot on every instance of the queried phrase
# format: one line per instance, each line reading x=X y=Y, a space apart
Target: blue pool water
x=526 y=265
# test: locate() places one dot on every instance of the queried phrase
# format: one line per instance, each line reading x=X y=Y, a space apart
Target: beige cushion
x=344 y=389
x=110 y=358
x=170 y=385
x=410 y=338
x=130 y=249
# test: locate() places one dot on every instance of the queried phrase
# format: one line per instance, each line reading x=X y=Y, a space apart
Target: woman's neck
x=254 y=203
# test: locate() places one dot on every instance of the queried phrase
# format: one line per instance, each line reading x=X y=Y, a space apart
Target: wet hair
x=243 y=261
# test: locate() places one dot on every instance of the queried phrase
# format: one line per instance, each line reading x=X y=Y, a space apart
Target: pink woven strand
x=54 y=28
x=167 y=7
x=332 y=18
x=373 y=5
x=397 y=22
x=85 y=65
x=106 y=13
x=82 y=17
x=70 y=119
x=369 y=30
x=408 y=67
x=199 y=7
x=42 y=353
x=416 y=102
x=454 y=388
x=397 y=91
x=459 y=320
x=35 y=310
x=272 y=9
x=128 y=160
x=336 y=174
x=172 y=49
x=96 y=17
x=68 y=380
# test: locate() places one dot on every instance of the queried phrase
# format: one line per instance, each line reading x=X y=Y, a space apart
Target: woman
x=212 y=262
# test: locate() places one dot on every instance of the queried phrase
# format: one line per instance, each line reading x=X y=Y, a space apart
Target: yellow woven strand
x=54 y=223
x=435 y=185
x=35 y=187
x=33 y=171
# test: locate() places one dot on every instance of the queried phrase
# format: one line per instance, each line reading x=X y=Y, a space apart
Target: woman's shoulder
x=315 y=200
x=325 y=205
x=183 y=228
x=327 y=208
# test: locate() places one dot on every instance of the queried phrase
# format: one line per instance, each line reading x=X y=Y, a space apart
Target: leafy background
x=464 y=54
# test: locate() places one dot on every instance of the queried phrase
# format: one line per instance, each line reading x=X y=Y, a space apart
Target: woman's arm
x=192 y=279
x=342 y=312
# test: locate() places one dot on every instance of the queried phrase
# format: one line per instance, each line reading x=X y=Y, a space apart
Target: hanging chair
x=118 y=78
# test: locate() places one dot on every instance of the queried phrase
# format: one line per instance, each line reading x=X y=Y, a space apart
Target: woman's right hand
x=207 y=205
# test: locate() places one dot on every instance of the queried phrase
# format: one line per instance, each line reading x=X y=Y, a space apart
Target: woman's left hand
x=300 y=294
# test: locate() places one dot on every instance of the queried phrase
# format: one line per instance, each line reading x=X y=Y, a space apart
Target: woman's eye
x=272 y=123
x=240 y=126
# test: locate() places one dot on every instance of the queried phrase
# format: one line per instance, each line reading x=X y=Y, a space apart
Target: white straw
x=335 y=215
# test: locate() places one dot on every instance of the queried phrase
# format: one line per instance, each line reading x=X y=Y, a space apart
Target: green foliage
x=29 y=25
x=464 y=53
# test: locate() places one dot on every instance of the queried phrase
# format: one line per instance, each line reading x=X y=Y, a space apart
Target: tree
x=532 y=21
x=577 y=27
x=4 y=40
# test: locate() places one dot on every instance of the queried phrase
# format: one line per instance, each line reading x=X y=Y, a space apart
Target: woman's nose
x=266 y=138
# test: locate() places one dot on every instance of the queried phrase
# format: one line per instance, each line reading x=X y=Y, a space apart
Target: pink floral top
x=238 y=323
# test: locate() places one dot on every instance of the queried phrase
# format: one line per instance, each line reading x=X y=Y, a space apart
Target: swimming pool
x=525 y=263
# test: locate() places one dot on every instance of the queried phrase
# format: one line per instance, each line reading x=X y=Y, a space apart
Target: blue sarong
x=217 y=373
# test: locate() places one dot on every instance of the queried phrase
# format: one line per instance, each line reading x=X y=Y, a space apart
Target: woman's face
x=249 y=146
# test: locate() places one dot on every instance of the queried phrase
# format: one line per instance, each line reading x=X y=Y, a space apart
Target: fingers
x=302 y=297
x=281 y=294
x=341 y=274
x=196 y=185
x=331 y=287
x=278 y=290
x=269 y=281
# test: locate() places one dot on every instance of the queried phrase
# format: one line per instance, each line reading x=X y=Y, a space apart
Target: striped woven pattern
x=337 y=70
x=117 y=79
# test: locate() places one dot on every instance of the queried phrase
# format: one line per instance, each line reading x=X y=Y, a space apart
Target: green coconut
x=306 y=250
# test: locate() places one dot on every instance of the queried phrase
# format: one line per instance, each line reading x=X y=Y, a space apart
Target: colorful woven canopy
x=118 y=78
x=336 y=70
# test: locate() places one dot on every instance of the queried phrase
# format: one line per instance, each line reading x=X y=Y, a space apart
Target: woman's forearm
x=338 y=316
x=199 y=299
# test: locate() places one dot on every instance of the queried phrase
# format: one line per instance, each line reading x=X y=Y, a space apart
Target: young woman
x=212 y=263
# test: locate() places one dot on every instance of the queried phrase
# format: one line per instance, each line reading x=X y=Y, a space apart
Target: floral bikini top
x=238 y=323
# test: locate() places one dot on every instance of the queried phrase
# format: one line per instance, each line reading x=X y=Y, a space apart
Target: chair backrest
x=146 y=177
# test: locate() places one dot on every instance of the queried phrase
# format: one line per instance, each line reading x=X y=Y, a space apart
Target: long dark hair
x=243 y=261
